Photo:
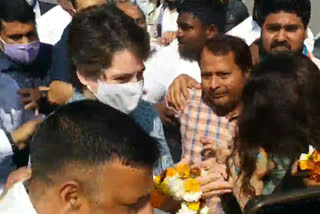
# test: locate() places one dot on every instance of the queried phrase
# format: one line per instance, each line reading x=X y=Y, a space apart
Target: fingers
x=24 y=91
x=216 y=185
x=210 y=194
x=204 y=180
x=26 y=100
x=177 y=95
x=192 y=83
x=31 y=106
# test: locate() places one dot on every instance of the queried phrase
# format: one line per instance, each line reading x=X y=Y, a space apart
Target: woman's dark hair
x=264 y=8
x=16 y=10
x=281 y=111
x=97 y=33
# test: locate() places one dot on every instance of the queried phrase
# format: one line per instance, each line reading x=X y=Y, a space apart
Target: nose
x=147 y=209
x=281 y=36
x=215 y=83
x=179 y=33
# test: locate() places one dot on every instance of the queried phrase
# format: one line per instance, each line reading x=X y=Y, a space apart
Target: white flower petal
x=185 y=210
x=192 y=197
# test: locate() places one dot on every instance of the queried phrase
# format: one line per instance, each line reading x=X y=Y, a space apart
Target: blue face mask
x=32 y=3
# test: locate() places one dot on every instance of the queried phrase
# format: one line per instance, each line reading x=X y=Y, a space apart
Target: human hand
x=16 y=176
x=167 y=115
x=178 y=94
x=168 y=37
x=30 y=98
x=23 y=133
x=59 y=92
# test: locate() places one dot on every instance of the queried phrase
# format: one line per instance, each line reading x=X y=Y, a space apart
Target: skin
x=222 y=82
x=116 y=189
x=283 y=32
x=83 y=4
x=192 y=34
x=18 y=32
x=119 y=72
x=67 y=6
x=134 y=12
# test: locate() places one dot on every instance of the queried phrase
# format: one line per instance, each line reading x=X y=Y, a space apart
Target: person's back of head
x=280 y=110
x=84 y=155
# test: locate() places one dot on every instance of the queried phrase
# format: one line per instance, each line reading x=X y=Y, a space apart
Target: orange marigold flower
x=306 y=164
x=315 y=156
x=157 y=198
x=192 y=185
x=183 y=170
x=171 y=172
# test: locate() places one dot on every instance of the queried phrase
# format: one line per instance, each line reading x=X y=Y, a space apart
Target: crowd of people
x=99 y=96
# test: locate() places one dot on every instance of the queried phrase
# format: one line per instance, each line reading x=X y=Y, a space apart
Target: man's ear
x=212 y=31
x=70 y=196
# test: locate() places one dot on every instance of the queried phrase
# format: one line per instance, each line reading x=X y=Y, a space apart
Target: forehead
x=137 y=182
x=211 y=62
x=283 y=18
x=189 y=19
x=12 y=28
x=129 y=9
x=132 y=63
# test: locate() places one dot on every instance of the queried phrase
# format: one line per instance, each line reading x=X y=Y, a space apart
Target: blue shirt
x=150 y=122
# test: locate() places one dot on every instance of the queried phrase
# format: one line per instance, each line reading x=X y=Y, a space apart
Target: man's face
x=191 y=35
x=18 y=32
x=134 y=12
x=222 y=82
x=119 y=73
x=283 y=32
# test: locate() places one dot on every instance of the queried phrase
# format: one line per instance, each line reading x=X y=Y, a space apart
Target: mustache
x=280 y=44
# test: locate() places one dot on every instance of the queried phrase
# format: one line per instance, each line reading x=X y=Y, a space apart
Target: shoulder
x=316 y=61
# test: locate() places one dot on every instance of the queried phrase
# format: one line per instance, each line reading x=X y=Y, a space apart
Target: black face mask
x=172 y=5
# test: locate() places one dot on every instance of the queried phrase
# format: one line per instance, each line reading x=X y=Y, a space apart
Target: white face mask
x=124 y=97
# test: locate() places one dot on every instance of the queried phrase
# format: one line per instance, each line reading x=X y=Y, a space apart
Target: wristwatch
x=13 y=145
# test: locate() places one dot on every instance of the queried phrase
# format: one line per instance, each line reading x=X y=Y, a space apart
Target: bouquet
x=311 y=163
x=181 y=184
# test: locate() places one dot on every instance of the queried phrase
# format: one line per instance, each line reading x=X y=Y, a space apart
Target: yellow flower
x=157 y=181
x=195 y=206
x=171 y=172
x=164 y=187
x=305 y=164
x=183 y=170
x=192 y=185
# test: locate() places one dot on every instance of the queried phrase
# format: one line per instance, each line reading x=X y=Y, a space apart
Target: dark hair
x=223 y=44
x=16 y=10
x=264 y=8
x=281 y=111
x=207 y=11
x=89 y=133
x=97 y=32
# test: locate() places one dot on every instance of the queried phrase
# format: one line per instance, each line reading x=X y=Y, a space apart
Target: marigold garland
x=180 y=183
x=311 y=163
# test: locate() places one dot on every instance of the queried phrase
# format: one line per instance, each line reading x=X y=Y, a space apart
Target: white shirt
x=169 y=21
x=6 y=164
x=37 y=11
x=51 y=25
x=17 y=201
x=161 y=70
